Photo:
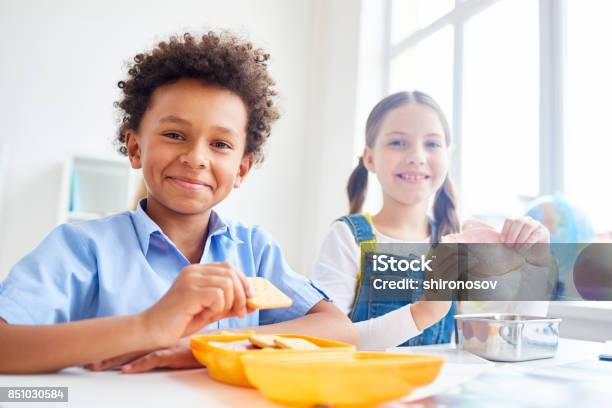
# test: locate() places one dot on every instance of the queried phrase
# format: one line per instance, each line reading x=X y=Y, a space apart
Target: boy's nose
x=195 y=158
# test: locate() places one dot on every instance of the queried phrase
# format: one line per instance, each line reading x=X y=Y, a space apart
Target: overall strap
x=362 y=228
x=433 y=227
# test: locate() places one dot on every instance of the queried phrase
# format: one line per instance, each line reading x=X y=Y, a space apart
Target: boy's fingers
x=114 y=361
x=245 y=284
x=223 y=276
x=239 y=306
x=146 y=363
x=214 y=300
x=225 y=285
x=178 y=357
x=236 y=301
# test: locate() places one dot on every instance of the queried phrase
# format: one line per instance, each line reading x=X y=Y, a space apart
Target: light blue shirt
x=124 y=263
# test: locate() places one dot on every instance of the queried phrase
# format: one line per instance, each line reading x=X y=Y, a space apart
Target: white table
x=194 y=388
x=546 y=385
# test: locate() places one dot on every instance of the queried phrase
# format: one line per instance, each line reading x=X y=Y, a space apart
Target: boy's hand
x=115 y=362
x=201 y=294
x=177 y=357
x=529 y=238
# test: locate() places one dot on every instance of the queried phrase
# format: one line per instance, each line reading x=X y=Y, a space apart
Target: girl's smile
x=413 y=177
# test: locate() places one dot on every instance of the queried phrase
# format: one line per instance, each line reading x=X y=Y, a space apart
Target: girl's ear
x=245 y=166
x=368 y=159
x=133 y=149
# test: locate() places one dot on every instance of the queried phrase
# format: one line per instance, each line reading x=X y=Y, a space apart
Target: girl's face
x=190 y=146
x=409 y=155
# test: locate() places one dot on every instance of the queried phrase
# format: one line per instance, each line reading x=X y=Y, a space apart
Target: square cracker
x=263 y=340
x=266 y=295
x=294 y=343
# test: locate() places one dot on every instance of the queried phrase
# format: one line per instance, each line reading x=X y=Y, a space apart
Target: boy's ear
x=245 y=166
x=368 y=159
x=132 y=144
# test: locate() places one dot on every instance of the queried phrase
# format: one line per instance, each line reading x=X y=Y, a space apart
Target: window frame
x=552 y=71
x=553 y=63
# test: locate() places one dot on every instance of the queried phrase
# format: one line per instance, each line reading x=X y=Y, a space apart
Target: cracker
x=266 y=295
x=235 y=333
x=263 y=340
x=240 y=345
x=294 y=344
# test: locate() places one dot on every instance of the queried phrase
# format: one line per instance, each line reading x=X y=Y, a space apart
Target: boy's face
x=190 y=146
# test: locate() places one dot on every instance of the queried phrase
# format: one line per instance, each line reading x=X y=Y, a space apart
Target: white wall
x=60 y=63
x=331 y=132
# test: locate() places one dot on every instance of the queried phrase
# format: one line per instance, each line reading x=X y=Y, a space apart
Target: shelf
x=95 y=187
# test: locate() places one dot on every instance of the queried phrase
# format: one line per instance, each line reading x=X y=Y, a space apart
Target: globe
x=565 y=222
x=570 y=231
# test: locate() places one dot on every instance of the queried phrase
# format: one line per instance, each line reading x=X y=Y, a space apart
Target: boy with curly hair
x=127 y=288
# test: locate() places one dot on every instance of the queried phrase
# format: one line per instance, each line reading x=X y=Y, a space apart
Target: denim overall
x=365 y=307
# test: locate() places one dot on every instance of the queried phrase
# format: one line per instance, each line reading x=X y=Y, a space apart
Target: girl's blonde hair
x=445 y=204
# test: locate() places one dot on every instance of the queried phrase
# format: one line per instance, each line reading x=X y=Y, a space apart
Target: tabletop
x=195 y=388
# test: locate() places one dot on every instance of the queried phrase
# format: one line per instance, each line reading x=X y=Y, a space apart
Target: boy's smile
x=190 y=145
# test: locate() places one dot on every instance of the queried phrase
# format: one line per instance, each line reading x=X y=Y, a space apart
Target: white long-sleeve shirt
x=337 y=269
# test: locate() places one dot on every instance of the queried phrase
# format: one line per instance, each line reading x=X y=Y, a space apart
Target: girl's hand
x=200 y=295
x=450 y=262
x=529 y=238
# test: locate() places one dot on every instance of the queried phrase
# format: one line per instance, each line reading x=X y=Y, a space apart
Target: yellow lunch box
x=226 y=366
x=339 y=379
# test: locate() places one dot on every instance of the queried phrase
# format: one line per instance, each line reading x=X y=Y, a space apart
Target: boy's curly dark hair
x=217 y=58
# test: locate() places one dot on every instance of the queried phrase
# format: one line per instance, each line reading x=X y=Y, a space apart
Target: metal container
x=507 y=337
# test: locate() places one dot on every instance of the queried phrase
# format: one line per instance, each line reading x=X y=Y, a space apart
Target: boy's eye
x=221 y=145
x=174 y=135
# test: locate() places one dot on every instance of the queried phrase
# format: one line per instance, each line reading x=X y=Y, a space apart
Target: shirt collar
x=218 y=226
x=145 y=226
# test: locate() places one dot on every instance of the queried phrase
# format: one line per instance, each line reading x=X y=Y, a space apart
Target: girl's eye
x=221 y=145
x=174 y=136
x=433 y=145
x=397 y=143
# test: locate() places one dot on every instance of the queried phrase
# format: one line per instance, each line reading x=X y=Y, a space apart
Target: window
x=524 y=84
x=500 y=153
x=411 y=15
x=428 y=66
x=527 y=93
x=588 y=140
